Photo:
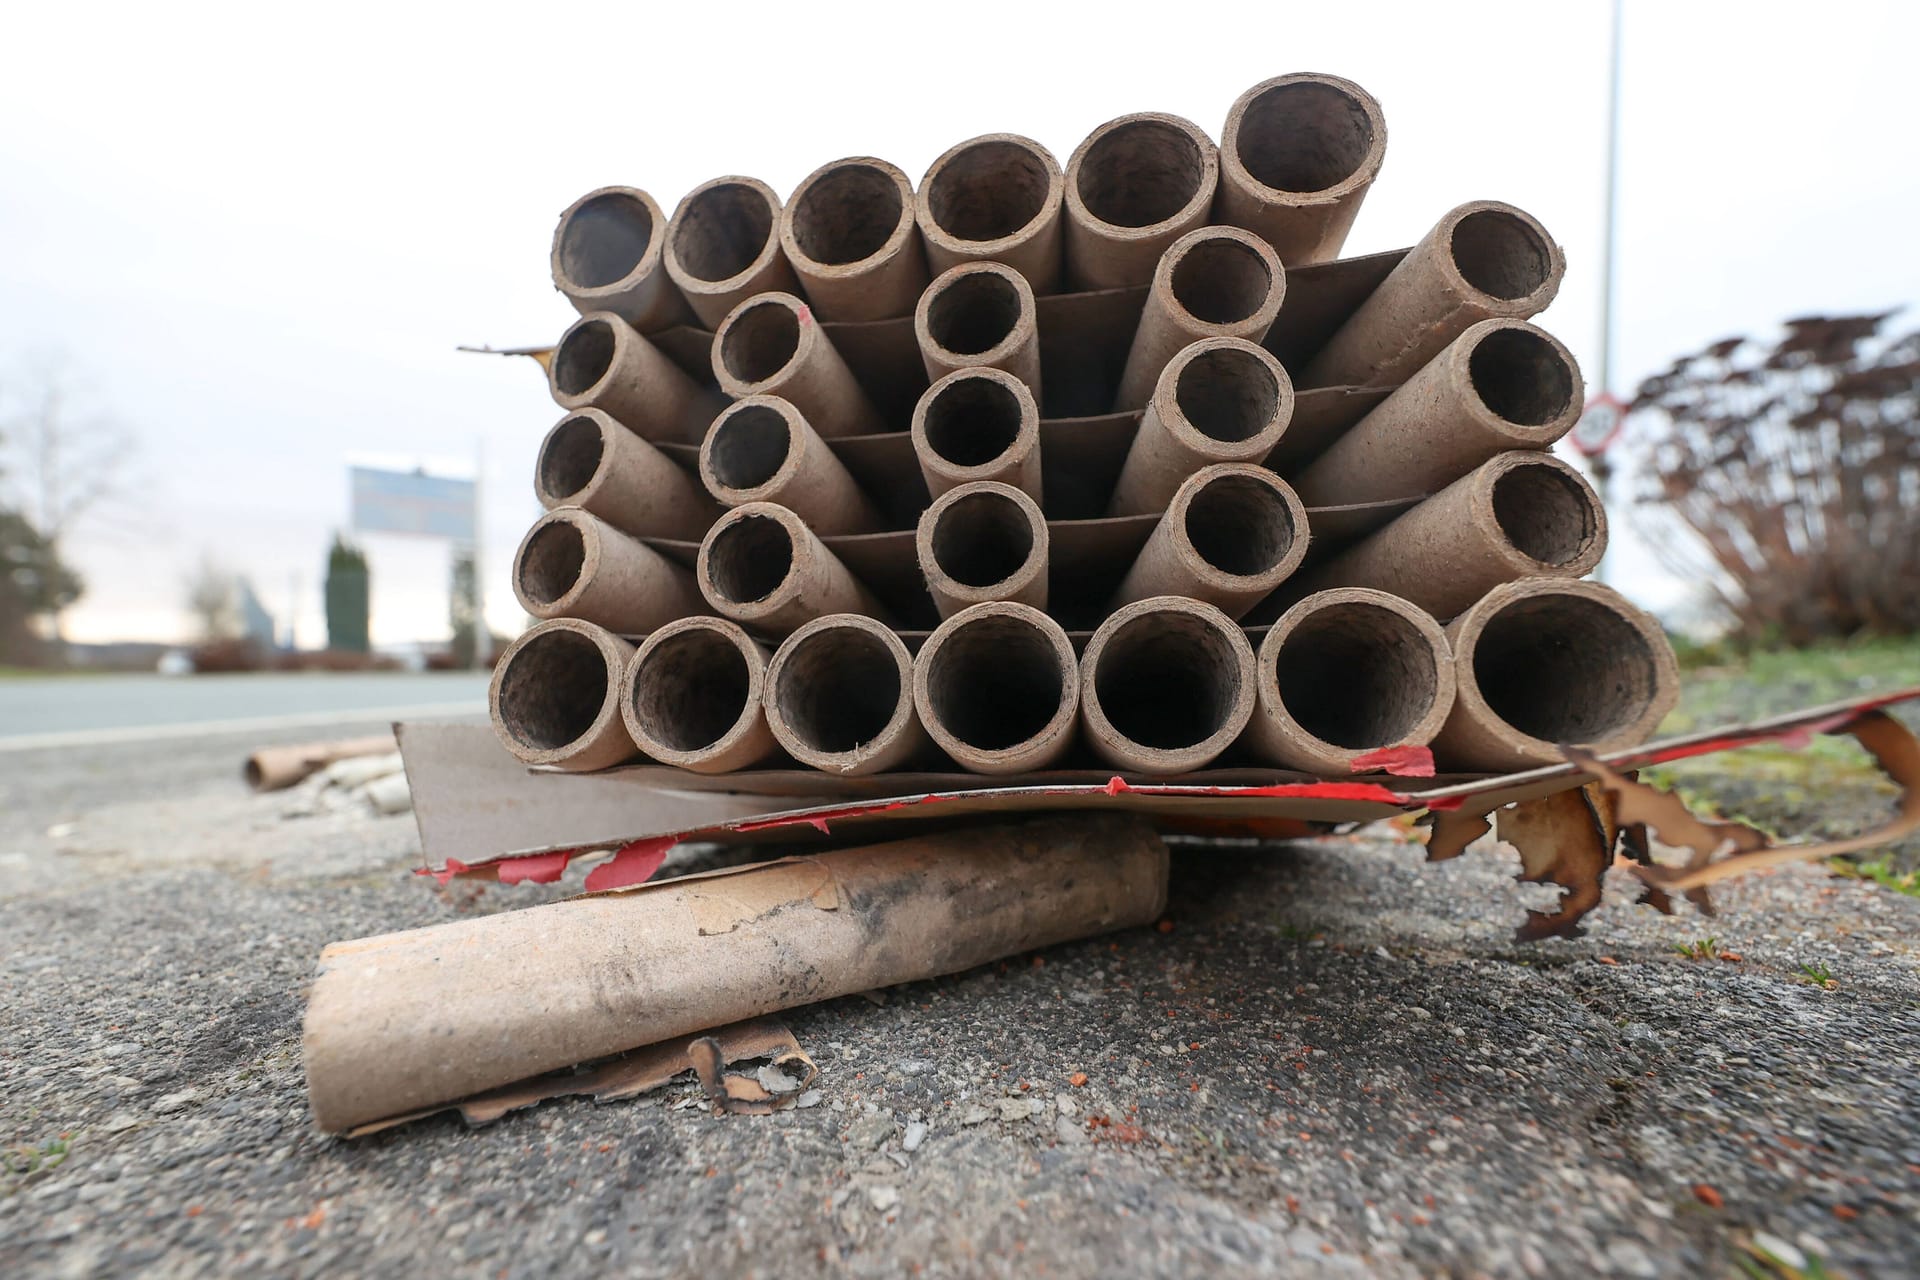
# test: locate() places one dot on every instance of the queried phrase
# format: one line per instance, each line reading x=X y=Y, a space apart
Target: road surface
x=92 y=710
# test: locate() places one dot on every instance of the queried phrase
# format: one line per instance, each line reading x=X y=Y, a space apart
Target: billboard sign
x=413 y=503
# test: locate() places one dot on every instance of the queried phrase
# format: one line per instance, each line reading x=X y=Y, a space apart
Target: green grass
x=1879 y=870
x=1719 y=688
x=1817 y=975
x=24 y=1162
x=1703 y=949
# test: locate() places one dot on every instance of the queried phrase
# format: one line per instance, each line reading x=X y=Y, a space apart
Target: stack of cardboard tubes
x=1007 y=473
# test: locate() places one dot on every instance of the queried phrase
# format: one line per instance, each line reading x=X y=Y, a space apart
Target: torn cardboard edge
x=471 y=798
x=706 y=1054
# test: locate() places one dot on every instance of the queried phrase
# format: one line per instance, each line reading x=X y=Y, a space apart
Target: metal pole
x=482 y=635
x=1603 y=469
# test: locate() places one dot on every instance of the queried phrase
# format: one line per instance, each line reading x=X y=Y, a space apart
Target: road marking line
x=162 y=732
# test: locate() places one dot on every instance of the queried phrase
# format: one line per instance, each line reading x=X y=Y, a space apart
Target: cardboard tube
x=723 y=246
x=1166 y=685
x=606 y=257
x=840 y=697
x=1233 y=532
x=691 y=697
x=848 y=231
x=1346 y=672
x=1219 y=400
x=983 y=541
x=1217 y=282
x=276 y=768
x=1503 y=384
x=762 y=567
x=772 y=345
x=997 y=196
x=573 y=564
x=1133 y=187
x=1521 y=514
x=1484 y=261
x=602 y=363
x=555 y=697
x=1546 y=661
x=761 y=450
x=1296 y=159
x=998 y=688
x=590 y=461
x=411 y=1020
x=978 y=424
x=979 y=315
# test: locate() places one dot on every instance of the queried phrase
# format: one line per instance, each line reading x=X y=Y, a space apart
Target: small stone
x=1067 y=1106
x=870 y=1131
x=974 y=1114
x=883 y=1198
x=775 y=1081
x=1630 y=1259
x=1015 y=1108
x=915 y=1135
x=1068 y=1133
x=811 y=1098
x=120 y=1122
x=914 y=1066
x=173 y=1102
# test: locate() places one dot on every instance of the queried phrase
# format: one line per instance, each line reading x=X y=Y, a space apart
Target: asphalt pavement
x=1330 y=1057
x=44 y=713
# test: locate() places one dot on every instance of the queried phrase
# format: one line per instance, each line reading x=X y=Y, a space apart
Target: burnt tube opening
x=972 y=421
x=1519 y=375
x=1357 y=675
x=847 y=215
x=995 y=683
x=1501 y=254
x=749 y=559
x=553 y=690
x=975 y=312
x=1304 y=137
x=989 y=190
x=761 y=341
x=1545 y=513
x=1227 y=393
x=605 y=239
x=837 y=689
x=722 y=231
x=583 y=357
x=570 y=457
x=1140 y=173
x=749 y=446
x=1167 y=680
x=551 y=564
x=1240 y=525
x=1563 y=668
x=982 y=539
x=1221 y=281
x=692 y=689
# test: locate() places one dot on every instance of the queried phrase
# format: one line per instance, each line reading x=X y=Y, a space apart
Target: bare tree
x=1795 y=465
x=67 y=460
x=213 y=598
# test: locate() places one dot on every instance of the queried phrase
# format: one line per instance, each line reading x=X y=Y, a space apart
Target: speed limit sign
x=1599 y=426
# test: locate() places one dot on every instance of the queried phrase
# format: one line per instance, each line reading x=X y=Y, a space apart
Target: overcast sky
x=258 y=233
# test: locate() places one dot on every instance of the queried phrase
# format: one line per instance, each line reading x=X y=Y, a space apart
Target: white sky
x=260 y=231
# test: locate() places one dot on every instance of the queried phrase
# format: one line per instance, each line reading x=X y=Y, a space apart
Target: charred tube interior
x=1221 y=280
x=997 y=687
x=978 y=424
x=1502 y=253
x=981 y=542
x=1132 y=187
x=722 y=246
x=607 y=257
x=552 y=698
x=1562 y=667
x=1349 y=671
x=760 y=341
x=1299 y=154
x=849 y=233
x=975 y=312
x=997 y=196
x=840 y=696
x=1167 y=684
x=748 y=559
x=692 y=696
x=551 y=563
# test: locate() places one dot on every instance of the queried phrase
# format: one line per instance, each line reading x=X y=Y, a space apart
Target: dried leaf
x=1888 y=741
x=1452 y=831
x=1566 y=839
